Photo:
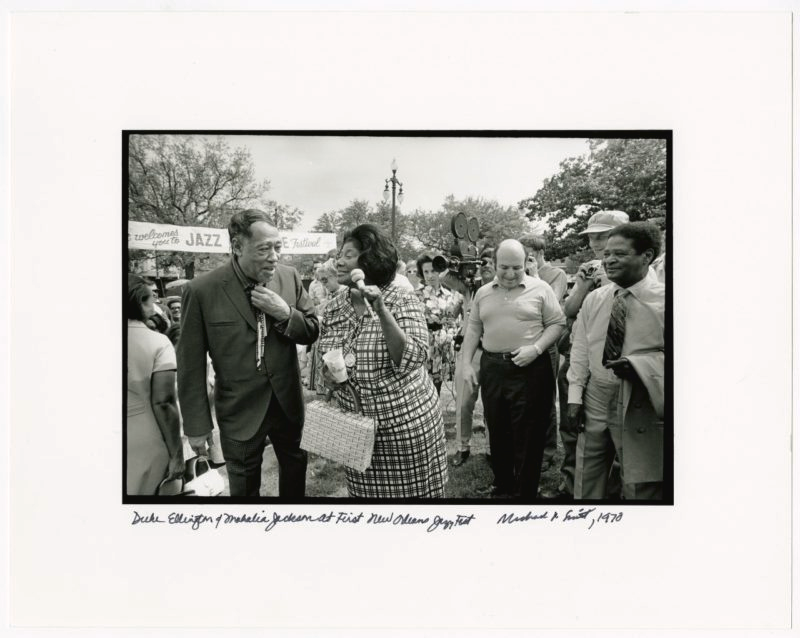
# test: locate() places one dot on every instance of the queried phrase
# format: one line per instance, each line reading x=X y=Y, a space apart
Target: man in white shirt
x=616 y=375
x=590 y=276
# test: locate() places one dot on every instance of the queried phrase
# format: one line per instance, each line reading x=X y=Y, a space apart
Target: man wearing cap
x=616 y=375
x=248 y=315
x=590 y=276
x=518 y=318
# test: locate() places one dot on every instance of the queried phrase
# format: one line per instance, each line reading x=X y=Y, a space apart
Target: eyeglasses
x=324 y=280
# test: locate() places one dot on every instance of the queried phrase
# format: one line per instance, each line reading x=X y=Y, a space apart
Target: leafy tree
x=427 y=230
x=497 y=222
x=328 y=223
x=356 y=213
x=431 y=230
x=194 y=181
x=285 y=217
x=617 y=174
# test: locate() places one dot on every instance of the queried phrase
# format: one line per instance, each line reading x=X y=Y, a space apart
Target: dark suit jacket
x=217 y=318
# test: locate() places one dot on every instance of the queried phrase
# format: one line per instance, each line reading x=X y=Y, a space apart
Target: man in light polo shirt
x=518 y=318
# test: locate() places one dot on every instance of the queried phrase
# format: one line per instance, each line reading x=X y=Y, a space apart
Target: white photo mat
x=720 y=558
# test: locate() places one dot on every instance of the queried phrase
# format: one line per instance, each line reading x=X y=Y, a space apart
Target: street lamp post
x=398 y=195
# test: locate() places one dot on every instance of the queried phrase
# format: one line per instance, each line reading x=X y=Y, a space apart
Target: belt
x=505 y=356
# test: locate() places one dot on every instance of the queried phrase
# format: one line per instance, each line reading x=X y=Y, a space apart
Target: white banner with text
x=198 y=239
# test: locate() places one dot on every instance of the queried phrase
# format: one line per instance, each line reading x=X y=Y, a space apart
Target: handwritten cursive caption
x=588 y=516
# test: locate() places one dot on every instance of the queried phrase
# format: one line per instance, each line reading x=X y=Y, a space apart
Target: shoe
x=460 y=458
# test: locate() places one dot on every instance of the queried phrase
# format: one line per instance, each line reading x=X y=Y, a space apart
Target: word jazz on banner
x=199 y=239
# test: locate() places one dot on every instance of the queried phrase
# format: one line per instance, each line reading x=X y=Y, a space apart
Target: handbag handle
x=183 y=492
x=201 y=459
x=353 y=395
x=192 y=467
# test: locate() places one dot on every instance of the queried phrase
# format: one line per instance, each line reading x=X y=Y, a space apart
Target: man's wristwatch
x=538 y=349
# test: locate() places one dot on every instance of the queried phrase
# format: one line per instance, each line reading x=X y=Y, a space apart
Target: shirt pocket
x=527 y=310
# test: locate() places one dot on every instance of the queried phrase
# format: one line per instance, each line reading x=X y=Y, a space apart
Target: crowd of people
x=586 y=364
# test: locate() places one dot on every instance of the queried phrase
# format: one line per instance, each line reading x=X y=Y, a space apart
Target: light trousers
x=466 y=397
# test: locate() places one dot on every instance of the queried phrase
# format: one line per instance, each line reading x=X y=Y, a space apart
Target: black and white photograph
x=475 y=317
x=360 y=320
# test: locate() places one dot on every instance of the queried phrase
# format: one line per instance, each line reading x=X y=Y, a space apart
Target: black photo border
x=669 y=469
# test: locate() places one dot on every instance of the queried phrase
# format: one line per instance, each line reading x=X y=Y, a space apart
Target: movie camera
x=462 y=255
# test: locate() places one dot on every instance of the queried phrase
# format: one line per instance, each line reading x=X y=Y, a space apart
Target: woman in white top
x=154 y=450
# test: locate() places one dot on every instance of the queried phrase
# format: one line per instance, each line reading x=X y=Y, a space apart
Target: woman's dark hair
x=138 y=292
x=159 y=323
x=378 y=258
x=424 y=258
x=643 y=235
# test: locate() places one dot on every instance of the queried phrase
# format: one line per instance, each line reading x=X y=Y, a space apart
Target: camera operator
x=467 y=396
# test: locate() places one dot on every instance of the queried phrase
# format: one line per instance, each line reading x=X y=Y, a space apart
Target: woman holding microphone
x=381 y=331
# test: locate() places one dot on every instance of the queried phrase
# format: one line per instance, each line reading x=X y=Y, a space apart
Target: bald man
x=516 y=318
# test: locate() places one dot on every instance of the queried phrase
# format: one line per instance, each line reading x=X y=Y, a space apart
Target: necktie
x=616 y=327
x=263 y=329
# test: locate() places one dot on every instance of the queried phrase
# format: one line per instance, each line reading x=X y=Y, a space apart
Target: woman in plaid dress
x=385 y=346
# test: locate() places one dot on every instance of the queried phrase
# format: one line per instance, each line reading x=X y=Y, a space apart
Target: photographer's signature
x=581 y=514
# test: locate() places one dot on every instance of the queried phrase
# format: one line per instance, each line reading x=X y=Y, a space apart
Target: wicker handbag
x=345 y=437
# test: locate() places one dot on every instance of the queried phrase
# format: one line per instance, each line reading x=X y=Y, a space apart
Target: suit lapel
x=233 y=288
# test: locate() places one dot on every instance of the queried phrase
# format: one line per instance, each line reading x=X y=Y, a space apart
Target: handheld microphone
x=357 y=277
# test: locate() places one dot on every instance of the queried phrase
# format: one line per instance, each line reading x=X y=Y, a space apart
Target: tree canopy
x=616 y=174
x=360 y=211
x=187 y=180
x=497 y=222
x=423 y=229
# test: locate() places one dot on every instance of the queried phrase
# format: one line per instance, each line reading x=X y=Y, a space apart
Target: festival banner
x=199 y=239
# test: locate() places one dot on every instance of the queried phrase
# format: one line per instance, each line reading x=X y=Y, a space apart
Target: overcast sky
x=319 y=174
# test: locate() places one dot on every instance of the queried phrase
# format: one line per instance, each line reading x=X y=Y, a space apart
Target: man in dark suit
x=248 y=315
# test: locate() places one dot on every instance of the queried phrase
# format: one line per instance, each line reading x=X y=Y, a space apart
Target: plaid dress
x=409 y=460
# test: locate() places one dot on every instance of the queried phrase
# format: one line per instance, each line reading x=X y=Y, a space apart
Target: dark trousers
x=551 y=440
x=517 y=403
x=244 y=457
x=551 y=443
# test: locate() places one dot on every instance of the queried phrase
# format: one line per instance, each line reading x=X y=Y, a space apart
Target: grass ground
x=327 y=478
